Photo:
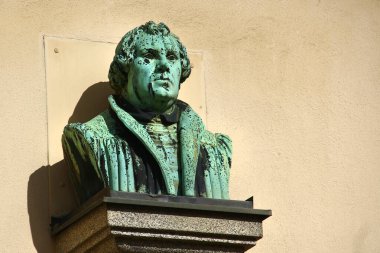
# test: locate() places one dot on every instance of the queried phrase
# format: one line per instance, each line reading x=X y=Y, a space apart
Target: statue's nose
x=163 y=65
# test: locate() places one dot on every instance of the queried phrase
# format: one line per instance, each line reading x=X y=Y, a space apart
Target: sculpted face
x=154 y=75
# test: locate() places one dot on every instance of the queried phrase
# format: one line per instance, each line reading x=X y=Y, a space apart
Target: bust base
x=131 y=222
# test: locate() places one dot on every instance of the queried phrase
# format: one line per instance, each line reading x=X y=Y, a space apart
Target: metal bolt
x=56 y=50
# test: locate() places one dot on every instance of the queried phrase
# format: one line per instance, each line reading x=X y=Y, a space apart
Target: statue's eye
x=171 y=57
x=148 y=55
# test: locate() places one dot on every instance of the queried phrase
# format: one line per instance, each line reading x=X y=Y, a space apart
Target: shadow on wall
x=38 y=209
x=93 y=101
x=50 y=192
x=46 y=200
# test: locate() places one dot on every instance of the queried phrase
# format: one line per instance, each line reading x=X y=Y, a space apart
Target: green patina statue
x=148 y=141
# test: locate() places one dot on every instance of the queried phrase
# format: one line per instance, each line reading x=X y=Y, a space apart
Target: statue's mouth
x=164 y=83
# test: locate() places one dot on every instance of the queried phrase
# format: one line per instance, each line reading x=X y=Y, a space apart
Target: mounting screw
x=56 y=50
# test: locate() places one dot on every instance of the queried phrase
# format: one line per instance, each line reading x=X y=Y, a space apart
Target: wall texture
x=294 y=83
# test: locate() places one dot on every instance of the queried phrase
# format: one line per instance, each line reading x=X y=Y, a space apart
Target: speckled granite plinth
x=127 y=222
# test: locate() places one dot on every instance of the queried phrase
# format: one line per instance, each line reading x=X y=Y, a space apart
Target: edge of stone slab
x=161 y=201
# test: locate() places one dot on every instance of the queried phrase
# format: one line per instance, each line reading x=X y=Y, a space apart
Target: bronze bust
x=148 y=141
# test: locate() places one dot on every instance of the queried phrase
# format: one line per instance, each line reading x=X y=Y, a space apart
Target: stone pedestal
x=131 y=222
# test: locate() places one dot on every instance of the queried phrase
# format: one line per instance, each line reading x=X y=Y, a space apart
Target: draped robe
x=114 y=150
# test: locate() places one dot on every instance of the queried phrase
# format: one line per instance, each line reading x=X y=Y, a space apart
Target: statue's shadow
x=49 y=190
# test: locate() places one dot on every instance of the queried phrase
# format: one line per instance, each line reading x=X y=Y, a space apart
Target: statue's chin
x=158 y=101
x=160 y=105
x=161 y=102
x=164 y=94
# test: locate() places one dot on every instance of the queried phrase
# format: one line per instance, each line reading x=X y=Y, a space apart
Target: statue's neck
x=171 y=115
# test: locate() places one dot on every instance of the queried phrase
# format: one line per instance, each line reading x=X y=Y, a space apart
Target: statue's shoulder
x=100 y=126
x=189 y=118
x=215 y=139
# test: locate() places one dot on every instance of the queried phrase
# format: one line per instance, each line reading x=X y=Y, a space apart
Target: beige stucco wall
x=294 y=83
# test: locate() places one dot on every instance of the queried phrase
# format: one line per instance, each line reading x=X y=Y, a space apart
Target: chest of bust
x=165 y=137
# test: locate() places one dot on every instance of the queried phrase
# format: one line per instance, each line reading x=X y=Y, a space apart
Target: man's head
x=148 y=67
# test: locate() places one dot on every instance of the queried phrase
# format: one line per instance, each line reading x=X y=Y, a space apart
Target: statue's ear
x=117 y=76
